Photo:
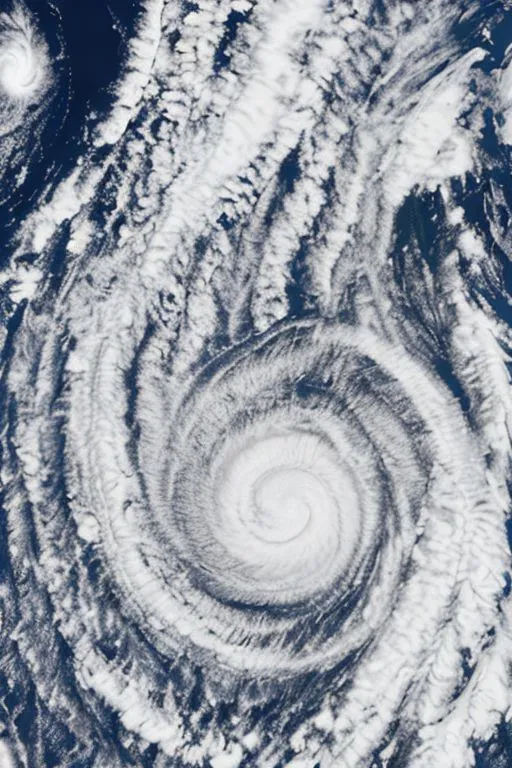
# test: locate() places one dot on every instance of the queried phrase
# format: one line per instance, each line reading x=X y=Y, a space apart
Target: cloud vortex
x=255 y=396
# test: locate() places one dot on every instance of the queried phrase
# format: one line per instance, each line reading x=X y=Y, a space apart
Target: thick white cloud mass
x=256 y=430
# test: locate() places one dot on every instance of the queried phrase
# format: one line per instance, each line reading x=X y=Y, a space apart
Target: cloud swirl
x=255 y=396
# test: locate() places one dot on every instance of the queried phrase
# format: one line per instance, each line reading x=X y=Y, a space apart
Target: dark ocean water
x=255 y=401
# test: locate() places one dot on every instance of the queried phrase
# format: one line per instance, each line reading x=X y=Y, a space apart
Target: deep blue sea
x=255 y=402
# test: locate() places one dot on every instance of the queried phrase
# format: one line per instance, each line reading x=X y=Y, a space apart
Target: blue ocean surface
x=255 y=403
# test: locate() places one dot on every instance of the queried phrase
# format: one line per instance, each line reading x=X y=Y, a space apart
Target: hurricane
x=255 y=384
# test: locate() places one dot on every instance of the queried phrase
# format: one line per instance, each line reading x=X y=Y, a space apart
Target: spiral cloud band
x=255 y=450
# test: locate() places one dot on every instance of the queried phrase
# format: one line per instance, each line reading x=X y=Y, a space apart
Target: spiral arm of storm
x=255 y=452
